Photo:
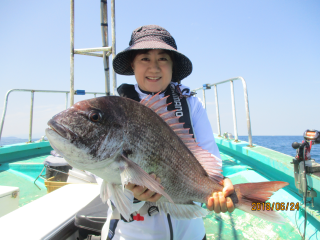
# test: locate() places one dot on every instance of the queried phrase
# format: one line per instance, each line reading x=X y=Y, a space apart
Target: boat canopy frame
x=106 y=50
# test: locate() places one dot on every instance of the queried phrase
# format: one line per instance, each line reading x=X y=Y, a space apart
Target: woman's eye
x=145 y=59
x=163 y=59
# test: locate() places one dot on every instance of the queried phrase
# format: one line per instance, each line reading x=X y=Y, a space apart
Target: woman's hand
x=219 y=202
x=143 y=193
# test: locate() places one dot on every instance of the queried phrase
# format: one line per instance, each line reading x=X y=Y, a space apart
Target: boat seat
x=56 y=166
x=91 y=218
x=49 y=217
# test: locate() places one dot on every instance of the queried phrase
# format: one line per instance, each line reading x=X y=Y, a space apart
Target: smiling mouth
x=153 y=79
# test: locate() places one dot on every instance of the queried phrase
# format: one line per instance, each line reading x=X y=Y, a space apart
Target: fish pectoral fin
x=121 y=198
x=183 y=211
x=104 y=191
x=134 y=174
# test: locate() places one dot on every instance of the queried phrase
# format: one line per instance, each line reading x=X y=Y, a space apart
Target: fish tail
x=252 y=199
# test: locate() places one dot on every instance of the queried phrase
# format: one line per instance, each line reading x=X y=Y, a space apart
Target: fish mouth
x=61 y=130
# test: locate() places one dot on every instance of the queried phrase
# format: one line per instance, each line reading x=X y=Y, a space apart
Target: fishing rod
x=303 y=164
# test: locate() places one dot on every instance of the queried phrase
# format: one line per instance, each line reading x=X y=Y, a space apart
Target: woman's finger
x=143 y=193
x=210 y=204
x=227 y=187
x=154 y=198
x=138 y=190
x=216 y=203
x=230 y=205
x=129 y=186
x=146 y=195
x=223 y=205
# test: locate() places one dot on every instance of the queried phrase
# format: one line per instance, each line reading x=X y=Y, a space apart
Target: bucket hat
x=152 y=37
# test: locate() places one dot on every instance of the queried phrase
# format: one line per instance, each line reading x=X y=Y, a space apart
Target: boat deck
x=22 y=174
x=238 y=225
x=241 y=225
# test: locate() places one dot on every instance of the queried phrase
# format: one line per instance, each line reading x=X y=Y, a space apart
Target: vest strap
x=128 y=91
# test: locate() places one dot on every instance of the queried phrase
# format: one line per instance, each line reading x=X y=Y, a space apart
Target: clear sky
x=272 y=44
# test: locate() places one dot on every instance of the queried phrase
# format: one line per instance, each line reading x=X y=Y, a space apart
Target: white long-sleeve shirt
x=156 y=226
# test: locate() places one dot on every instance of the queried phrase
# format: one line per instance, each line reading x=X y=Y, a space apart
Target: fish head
x=89 y=132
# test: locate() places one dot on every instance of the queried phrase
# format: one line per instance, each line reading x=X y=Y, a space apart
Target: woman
x=153 y=58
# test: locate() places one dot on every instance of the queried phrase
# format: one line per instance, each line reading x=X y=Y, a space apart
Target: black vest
x=179 y=102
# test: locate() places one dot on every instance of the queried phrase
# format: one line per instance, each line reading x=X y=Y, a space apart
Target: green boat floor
x=28 y=191
x=31 y=160
x=241 y=225
x=237 y=225
x=21 y=174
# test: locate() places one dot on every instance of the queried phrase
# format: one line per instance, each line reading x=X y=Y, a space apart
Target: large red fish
x=123 y=141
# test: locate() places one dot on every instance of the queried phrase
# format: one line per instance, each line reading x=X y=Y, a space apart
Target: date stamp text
x=279 y=206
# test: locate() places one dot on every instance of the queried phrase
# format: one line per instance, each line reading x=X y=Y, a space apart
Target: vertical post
x=95 y=95
x=204 y=98
x=217 y=110
x=71 y=52
x=105 y=42
x=4 y=112
x=31 y=116
x=66 y=100
x=113 y=33
x=234 y=112
x=244 y=84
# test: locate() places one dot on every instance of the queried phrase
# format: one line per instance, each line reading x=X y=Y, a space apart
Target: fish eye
x=95 y=116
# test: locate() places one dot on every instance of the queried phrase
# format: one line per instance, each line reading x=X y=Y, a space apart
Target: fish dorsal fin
x=211 y=164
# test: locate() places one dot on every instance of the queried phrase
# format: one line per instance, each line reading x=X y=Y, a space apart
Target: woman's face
x=153 y=70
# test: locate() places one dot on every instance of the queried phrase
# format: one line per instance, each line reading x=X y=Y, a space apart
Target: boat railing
x=245 y=91
x=77 y=92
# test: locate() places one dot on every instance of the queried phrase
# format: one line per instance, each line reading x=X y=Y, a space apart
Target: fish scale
x=170 y=186
x=189 y=172
x=136 y=139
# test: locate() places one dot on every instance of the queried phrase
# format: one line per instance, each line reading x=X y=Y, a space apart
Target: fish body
x=123 y=141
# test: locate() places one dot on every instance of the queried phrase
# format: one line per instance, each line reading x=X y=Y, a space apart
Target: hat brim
x=182 y=67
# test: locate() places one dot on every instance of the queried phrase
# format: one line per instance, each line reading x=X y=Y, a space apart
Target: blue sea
x=282 y=144
x=278 y=143
x=14 y=140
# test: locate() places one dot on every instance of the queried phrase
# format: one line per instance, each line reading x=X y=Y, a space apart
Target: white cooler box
x=9 y=199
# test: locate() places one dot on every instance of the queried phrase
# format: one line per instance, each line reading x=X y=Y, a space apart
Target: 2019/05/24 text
x=279 y=206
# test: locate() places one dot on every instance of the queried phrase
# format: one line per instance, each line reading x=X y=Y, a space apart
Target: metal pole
x=4 y=111
x=113 y=33
x=246 y=101
x=89 y=54
x=66 y=100
x=31 y=116
x=30 y=90
x=204 y=99
x=217 y=110
x=105 y=42
x=71 y=52
x=91 y=50
x=234 y=112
